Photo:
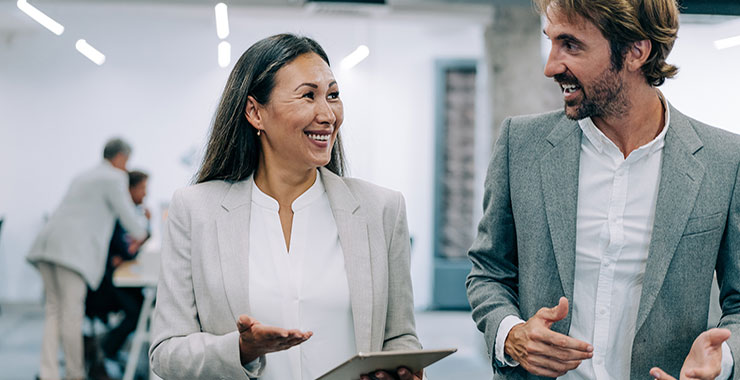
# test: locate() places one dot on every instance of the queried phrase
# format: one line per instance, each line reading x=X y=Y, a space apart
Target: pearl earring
x=259 y=132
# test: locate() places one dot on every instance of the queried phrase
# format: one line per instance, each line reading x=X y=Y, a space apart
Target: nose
x=554 y=65
x=324 y=112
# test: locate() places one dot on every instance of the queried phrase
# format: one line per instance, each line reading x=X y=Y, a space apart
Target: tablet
x=368 y=362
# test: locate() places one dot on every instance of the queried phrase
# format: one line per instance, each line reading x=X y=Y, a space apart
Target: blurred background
x=422 y=110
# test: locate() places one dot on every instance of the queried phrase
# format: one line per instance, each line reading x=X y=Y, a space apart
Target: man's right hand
x=256 y=339
x=544 y=352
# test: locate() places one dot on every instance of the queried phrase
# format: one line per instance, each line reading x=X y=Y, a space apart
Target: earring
x=259 y=132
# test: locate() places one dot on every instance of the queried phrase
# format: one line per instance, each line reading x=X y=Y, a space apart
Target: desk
x=140 y=273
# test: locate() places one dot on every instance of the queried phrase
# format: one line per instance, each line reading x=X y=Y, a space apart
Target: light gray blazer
x=205 y=260
x=524 y=254
x=77 y=235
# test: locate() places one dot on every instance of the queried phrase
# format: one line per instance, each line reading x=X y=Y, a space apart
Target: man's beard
x=605 y=97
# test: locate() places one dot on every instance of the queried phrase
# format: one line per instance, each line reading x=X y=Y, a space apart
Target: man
x=71 y=251
x=603 y=223
x=109 y=298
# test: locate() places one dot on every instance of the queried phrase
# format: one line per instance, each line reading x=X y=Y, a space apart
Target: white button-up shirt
x=614 y=225
x=305 y=288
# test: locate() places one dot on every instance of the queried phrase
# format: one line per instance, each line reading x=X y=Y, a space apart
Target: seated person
x=109 y=298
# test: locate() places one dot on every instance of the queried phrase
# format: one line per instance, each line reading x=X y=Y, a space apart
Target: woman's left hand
x=402 y=373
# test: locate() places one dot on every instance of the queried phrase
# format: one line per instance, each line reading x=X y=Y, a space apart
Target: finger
x=717 y=336
x=404 y=374
x=658 y=373
x=554 y=314
x=579 y=348
x=244 y=323
x=553 y=364
x=382 y=375
x=543 y=371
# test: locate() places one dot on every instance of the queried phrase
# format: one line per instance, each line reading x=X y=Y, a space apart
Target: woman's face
x=300 y=121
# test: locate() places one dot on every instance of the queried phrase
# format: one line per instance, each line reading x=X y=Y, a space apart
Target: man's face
x=138 y=192
x=580 y=61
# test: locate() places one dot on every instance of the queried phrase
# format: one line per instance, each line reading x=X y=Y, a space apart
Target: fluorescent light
x=727 y=43
x=355 y=57
x=222 y=21
x=224 y=54
x=40 y=17
x=90 y=52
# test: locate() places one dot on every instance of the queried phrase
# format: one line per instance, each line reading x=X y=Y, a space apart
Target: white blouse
x=305 y=288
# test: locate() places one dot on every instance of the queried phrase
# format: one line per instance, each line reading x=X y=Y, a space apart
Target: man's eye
x=334 y=95
x=308 y=95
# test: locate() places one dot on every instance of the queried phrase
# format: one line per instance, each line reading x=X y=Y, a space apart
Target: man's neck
x=644 y=120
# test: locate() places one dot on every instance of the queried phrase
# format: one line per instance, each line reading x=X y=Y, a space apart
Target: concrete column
x=516 y=64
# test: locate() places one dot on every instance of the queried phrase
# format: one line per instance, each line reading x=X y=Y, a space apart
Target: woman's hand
x=402 y=373
x=256 y=339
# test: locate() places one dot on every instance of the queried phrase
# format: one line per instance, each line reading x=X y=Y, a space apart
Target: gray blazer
x=77 y=235
x=524 y=255
x=205 y=259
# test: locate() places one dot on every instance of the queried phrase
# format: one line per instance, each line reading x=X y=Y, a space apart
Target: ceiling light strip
x=357 y=56
x=90 y=52
x=222 y=20
x=40 y=17
x=224 y=54
x=726 y=43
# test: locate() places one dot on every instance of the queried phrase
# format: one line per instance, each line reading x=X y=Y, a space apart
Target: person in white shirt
x=604 y=223
x=71 y=251
x=274 y=266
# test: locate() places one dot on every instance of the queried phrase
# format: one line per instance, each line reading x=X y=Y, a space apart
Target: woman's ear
x=252 y=113
x=638 y=54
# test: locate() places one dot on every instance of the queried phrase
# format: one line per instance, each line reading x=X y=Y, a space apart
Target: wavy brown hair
x=233 y=149
x=623 y=22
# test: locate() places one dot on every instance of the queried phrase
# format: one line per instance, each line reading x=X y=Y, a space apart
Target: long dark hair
x=233 y=149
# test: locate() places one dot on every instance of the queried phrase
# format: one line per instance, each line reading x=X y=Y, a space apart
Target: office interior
x=422 y=111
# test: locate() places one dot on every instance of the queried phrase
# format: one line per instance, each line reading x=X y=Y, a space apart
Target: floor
x=21 y=328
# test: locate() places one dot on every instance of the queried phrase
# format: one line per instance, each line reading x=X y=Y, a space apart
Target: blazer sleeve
x=400 y=329
x=492 y=283
x=123 y=207
x=728 y=276
x=180 y=349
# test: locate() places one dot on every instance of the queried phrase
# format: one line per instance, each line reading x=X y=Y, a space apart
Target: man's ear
x=638 y=54
x=252 y=113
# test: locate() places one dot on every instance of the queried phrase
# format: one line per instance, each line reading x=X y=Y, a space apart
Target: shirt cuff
x=503 y=331
x=727 y=362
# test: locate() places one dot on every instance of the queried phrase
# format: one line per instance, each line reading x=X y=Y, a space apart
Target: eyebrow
x=312 y=85
x=565 y=37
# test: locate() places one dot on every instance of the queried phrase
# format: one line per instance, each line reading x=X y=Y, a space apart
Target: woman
x=272 y=246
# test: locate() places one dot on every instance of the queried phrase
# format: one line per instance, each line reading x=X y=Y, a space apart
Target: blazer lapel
x=233 y=244
x=354 y=240
x=559 y=176
x=680 y=179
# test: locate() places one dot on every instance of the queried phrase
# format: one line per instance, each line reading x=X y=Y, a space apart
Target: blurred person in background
x=71 y=250
x=108 y=298
x=273 y=246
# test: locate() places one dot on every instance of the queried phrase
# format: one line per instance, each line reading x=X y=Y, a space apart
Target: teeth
x=569 y=88
x=318 y=137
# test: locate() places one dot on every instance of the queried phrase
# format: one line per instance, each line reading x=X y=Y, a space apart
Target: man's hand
x=402 y=373
x=704 y=361
x=542 y=351
x=256 y=339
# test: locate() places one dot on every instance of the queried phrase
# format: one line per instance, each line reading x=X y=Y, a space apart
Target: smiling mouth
x=569 y=88
x=318 y=136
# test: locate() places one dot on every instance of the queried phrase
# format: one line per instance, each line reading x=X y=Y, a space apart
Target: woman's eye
x=308 y=95
x=334 y=95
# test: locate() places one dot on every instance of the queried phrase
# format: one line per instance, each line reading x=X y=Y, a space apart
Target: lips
x=322 y=136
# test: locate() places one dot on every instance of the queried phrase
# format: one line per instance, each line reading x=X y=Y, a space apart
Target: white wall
x=707 y=87
x=160 y=85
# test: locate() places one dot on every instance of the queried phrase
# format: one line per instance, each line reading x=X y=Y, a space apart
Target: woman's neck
x=283 y=184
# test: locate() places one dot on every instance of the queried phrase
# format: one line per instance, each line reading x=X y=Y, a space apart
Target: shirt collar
x=599 y=140
x=304 y=200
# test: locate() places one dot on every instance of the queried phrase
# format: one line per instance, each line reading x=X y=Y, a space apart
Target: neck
x=281 y=183
x=643 y=121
